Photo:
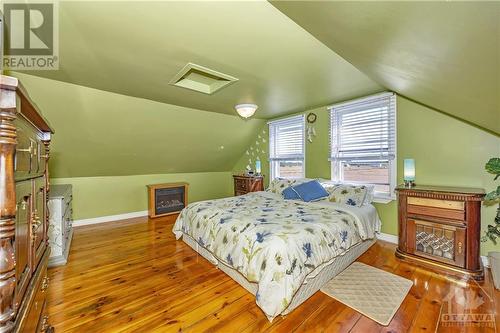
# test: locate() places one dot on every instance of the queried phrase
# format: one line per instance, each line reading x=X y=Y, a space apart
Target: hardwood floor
x=133 y=276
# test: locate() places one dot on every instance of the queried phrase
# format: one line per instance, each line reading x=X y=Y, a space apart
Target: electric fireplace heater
x=167 y=199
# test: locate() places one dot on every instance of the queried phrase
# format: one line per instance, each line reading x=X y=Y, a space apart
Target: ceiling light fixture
x=246 y=110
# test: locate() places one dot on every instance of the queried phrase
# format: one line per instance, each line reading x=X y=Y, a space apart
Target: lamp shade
x=409 y=169
x=246 y=110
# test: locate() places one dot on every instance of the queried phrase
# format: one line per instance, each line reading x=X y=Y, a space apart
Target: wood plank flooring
x=133 y=276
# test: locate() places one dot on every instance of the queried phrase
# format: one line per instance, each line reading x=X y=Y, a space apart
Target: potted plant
x=493 y=231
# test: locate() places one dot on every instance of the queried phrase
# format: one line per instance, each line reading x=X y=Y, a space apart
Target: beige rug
x=374 y=293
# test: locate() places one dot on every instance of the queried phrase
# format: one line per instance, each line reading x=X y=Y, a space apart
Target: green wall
x=258 y=148
x=110 y=146
x=103 y=196
x=447 y=152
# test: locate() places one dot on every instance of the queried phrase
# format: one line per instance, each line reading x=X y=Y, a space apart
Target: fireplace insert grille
x=166 y=199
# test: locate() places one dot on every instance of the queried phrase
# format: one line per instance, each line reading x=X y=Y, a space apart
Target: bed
x=282 y=251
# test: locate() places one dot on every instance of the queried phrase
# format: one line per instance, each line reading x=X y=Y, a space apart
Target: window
x=287 y=147
x=363 y=143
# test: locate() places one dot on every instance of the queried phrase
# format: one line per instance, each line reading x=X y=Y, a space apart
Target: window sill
x=383 y=200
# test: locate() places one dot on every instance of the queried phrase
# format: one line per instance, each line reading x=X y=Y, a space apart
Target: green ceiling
x=445 y=55
x=135 y=48
x=105 y=134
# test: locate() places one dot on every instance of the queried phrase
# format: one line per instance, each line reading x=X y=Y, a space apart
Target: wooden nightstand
x=245 y=184
x=440 y=227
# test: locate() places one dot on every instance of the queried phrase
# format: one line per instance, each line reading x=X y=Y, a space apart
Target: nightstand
x=244 y=184
x=440 y=227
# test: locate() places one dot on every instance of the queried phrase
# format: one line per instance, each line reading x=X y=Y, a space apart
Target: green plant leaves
x=493 y=166
x=493 y=195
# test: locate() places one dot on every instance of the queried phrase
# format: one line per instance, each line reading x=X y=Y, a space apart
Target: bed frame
x=313 y=282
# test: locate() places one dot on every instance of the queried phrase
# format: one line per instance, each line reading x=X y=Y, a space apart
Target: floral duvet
x=273 y=242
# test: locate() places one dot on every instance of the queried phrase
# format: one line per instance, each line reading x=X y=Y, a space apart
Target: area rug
x=372 y=292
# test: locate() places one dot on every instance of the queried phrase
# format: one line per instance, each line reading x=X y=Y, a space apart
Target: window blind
x=364 y=129
x=286 y=139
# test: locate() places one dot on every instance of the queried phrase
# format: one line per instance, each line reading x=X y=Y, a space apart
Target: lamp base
x=409 y=183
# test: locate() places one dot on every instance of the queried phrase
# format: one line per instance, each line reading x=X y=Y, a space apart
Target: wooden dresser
x=244 y=184
x=440 y=227
x=60 y=223
x=24 y=250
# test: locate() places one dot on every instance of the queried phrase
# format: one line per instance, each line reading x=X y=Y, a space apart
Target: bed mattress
x=275 y=244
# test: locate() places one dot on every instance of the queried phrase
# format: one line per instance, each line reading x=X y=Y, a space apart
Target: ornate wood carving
x=20 y=121
x=7 y=209
x=46 y=157
x=462 y=219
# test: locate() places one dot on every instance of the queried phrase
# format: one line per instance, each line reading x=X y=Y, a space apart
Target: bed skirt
x=313 y=282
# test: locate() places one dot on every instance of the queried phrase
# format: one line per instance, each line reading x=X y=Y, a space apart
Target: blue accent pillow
x=310 y=191
x=290 y=194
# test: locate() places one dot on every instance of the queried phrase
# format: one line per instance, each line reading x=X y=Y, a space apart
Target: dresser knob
x=45 y=283
x=46 y=327
x=460 y=247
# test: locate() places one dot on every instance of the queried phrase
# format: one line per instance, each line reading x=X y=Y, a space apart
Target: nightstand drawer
x=446 y=204
x=452 y=214
x=241 y=184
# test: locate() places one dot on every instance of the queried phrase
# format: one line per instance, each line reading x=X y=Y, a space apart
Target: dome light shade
x=246 y=110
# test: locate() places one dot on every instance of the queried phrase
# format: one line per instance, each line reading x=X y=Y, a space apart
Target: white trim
x=388 y=237
x=486 y=261
x=109 y=218
x=286 y=119
x=394 y=240
x=393 y=163
x=272 y=161
x=362 y=99
x=383 y=200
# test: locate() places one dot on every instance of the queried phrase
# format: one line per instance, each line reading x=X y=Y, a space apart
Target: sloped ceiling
x=136 y=48
x=445 y=55
x=106 y=134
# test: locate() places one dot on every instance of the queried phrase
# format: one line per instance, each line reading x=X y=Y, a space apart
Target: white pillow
x=277 y=185
x=350 y=194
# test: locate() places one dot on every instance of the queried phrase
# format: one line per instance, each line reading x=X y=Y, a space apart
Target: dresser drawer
x=38 y=221
x=23 y=239
x=34 y=319
x=29 y=159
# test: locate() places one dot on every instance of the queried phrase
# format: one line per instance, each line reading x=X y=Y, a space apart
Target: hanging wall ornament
x=311 y=131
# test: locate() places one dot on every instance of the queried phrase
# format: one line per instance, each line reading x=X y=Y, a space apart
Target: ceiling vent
x=201 y=79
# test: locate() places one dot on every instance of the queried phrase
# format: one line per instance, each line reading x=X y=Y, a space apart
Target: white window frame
x=274 y=161
x=379 y=197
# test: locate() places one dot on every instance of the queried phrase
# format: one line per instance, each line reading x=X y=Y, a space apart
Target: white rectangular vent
x=201 y=79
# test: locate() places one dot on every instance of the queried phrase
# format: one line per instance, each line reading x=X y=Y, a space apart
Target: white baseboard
x=486 y=261
x=109 y=218
x=388 y=238
x=394 y=239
